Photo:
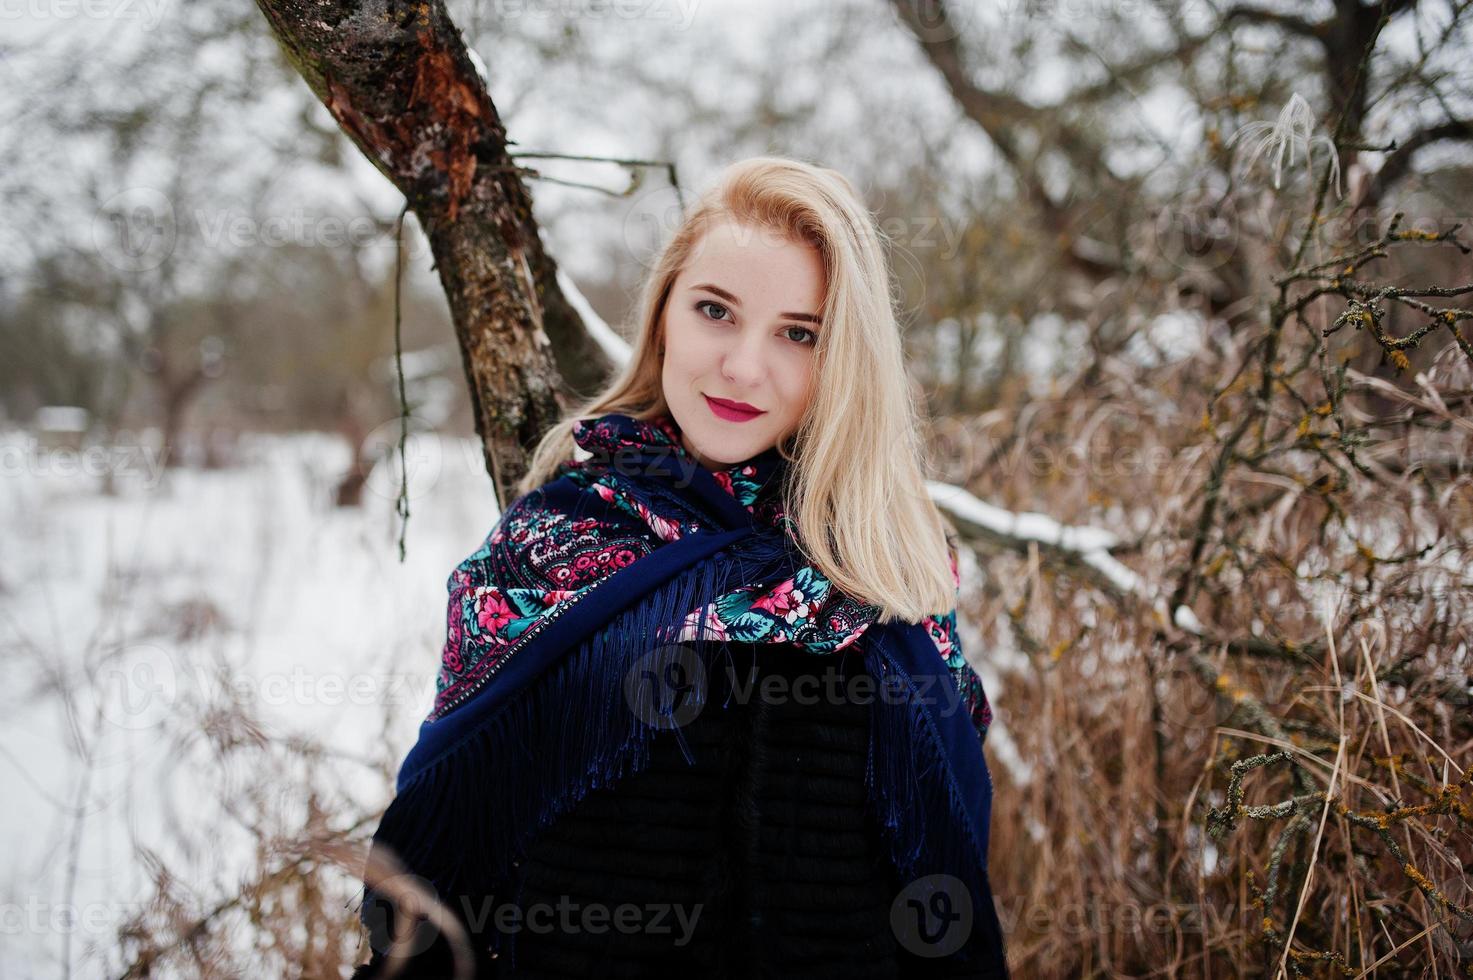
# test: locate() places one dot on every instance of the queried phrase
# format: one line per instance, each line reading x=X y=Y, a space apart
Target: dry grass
x=1284 y=791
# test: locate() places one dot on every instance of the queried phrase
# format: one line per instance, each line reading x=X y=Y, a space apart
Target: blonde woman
x=702 y=709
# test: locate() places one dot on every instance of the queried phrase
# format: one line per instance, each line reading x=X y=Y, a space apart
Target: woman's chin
x=724 y=459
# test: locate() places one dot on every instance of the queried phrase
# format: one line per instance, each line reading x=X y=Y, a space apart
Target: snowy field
x=146 y=632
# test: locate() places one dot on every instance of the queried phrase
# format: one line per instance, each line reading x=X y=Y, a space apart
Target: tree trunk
x=397 y=78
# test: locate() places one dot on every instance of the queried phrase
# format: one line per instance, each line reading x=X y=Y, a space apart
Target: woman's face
x=740 y=326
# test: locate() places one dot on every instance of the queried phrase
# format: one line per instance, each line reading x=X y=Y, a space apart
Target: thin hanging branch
x=401 y=505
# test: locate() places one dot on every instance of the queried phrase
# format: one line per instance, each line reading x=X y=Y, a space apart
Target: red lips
x=732 y=411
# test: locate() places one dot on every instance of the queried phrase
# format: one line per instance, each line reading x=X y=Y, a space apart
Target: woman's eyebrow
x=731 y=298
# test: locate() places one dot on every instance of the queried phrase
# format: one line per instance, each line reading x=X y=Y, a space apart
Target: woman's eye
x=707 y=302
x=810 y=333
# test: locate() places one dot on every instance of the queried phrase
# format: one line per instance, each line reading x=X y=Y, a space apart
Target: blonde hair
x=855 y=458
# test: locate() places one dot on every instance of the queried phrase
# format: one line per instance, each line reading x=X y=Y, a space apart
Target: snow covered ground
x=128 y=621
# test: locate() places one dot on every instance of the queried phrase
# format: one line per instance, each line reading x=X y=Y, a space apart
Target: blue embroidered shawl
x=597 y=582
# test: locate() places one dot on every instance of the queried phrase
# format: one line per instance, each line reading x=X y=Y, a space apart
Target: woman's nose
x=744 y=363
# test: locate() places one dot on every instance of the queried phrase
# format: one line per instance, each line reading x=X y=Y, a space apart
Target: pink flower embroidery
x=853 y=637
x=715 y=629
x=783 y=601
x=492 y=612
x=666 y=529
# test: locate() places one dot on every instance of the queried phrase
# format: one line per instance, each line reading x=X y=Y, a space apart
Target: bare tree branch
x=1399 y=162
x=1285 y=21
